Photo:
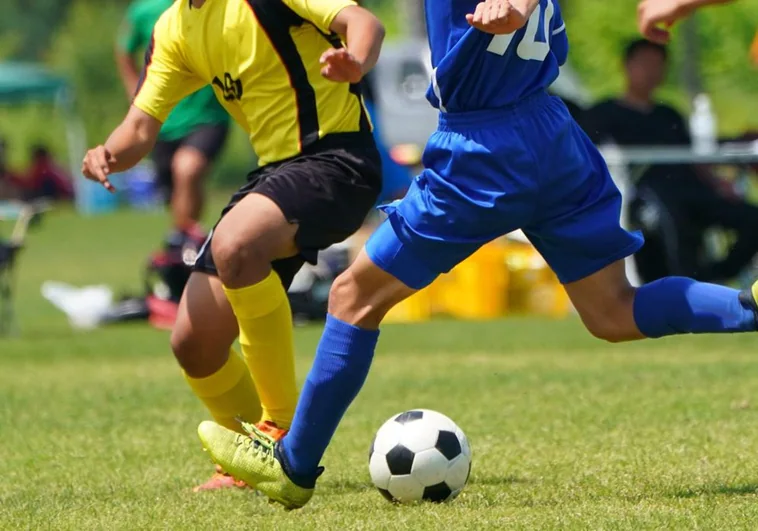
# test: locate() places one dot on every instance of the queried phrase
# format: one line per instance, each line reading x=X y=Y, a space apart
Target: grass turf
x=97 y=429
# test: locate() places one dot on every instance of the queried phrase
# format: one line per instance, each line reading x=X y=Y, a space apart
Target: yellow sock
x=229 y=393
x=265 y=322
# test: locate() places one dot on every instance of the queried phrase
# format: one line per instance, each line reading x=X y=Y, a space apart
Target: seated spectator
x=45 y=179
x=675 y=204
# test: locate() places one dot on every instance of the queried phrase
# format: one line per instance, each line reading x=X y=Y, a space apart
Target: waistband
x=487 y=117
x=360 y=139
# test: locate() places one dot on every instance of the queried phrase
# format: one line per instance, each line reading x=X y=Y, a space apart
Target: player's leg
x=201 y=340
x=420 y=240
x=246 y=241
x=329 y=195
x=163 y=156
x=615 y=311
x=580 y=236
x=189 y=167
x=358 y=301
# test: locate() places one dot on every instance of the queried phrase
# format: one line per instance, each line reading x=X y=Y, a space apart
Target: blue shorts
x=488 y=173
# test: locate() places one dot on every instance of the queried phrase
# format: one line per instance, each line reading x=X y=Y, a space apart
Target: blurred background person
x=45 y=178
x=191 y=138
x=8 y=180
x=687 y=200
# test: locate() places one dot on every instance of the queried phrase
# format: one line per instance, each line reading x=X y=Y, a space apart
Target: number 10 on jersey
x=529 y=49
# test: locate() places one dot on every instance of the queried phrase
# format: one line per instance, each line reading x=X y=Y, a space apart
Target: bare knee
x=188 y=167
x=347 y=304
x=613 y=320
x=239 y=262
x=364 y=299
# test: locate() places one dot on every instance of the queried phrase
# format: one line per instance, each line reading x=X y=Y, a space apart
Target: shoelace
x=256 y=440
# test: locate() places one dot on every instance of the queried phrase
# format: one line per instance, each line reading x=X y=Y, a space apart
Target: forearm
x=131 y=141
x=363 y=33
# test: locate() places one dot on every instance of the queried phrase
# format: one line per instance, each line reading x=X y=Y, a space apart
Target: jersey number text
x=529 y=49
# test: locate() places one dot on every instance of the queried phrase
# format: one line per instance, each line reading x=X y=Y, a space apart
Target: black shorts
x=327 y=191
x=208 y=139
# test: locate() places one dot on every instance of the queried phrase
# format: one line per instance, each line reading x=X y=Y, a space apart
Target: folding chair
x=22 y=213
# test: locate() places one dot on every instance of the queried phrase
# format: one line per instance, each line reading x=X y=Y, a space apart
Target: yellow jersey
x=262 y=59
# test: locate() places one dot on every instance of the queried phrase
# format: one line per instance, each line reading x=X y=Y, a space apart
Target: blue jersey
x=474 y=70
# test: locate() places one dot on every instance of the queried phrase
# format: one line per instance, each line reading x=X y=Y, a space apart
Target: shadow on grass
x=337 y=487
x=743 y=489
x=499 y=481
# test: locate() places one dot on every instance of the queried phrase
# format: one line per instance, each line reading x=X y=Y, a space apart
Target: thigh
x=327 y=195
x=475 y=187
x=254 y=227
x=578 y=230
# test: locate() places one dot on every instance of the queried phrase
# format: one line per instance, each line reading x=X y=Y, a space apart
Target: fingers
x=656 y=34
x=479 y=13
x=651 y=15
x=492 y=13
x=330 y=54
x=503 y=10
x=340 y=66
x=475 y=19
x=490 y=16
x=97 y=166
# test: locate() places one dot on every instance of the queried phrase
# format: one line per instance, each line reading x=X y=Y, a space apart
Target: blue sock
x=343 y=359
x=677 y=305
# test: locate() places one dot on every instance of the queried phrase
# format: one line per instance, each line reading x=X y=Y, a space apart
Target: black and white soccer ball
x=420 y=455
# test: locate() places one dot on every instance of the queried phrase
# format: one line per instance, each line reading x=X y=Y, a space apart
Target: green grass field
x=97 y=429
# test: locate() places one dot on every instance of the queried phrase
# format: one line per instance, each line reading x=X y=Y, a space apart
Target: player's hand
x=497 y=17
x=655 y=17
x=97 y=165
x=340 y=66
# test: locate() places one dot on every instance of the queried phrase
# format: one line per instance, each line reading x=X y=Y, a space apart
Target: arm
x=502 y=17
x=358 y=27
x=129 y=143
x=133 y=139
x=363 y=34
x=651 y=14
x=701 y=3
x=129 y=41
x=165 y=81
x=128 y=70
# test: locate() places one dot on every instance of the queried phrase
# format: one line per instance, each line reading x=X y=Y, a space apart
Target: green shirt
x=199 y=108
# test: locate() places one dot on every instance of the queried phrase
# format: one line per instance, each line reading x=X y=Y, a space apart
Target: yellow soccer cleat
x=252 y=458
x=221 y=480
x=749 y=298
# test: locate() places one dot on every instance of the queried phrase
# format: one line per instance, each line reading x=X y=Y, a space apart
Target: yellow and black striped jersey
x=262 y=59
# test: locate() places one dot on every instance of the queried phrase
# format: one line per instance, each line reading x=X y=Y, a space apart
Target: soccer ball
x=420 y=455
